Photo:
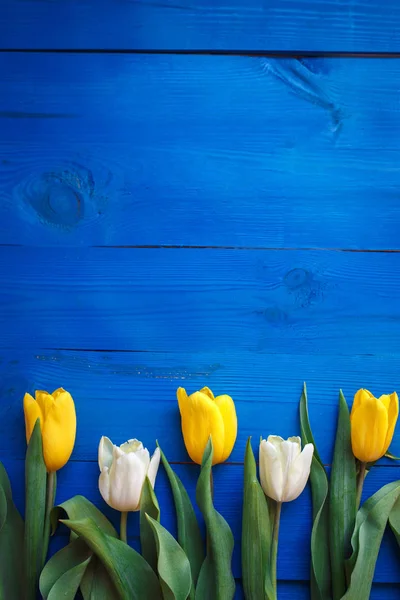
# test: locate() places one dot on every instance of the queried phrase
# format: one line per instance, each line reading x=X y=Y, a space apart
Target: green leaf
x=132 y=576
x=77 y=508
x=391 y=456
x=148 y=505
x=66 y=560
x=35 y=505
x=11 y=542
x=96 y=583
x=68 y=584
x=256 y=534
x=189 y=535
x=216 y=581
x=320 y=560
x=366 y=540
x=342 y=498
x=172 y=565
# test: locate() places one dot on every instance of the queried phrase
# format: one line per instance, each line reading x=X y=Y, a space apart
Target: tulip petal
x=132 y=446
x=208 y=392
x=153 y=466
x=201 y=418
x=45 y=401
x=369 y=427
x=271 y=475
x=105 y=453
x=359 y=397
x=393 y=413
x=227 y=409
x=127 y=475
x=298 y=474
x=58 y=432
x=104 y=484
x=32 y=413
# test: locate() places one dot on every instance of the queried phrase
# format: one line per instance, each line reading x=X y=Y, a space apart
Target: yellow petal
x=393 y=413
x=359 y=397
x=45 y=401
x=200 y=418
x=208 y=392
x=32 y=413
x=227 y=409
x=369 y=426
x=59 y=431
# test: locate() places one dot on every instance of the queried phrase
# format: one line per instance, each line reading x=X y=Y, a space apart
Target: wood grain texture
x=276 y=25
x=134 y=394
x=285 y=302
x=296 y=517
x=199 y=151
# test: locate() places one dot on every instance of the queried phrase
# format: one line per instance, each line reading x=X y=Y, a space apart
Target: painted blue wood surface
x=275 y=25
x=200 y=300
x=275 y=180
x=226 y=151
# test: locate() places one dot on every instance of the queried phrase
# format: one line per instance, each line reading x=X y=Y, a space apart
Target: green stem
x=360 y=482
x=274 y=550
x=122 y=531
x=50 y=495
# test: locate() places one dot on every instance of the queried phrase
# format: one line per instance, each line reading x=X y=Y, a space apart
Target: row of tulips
x=345 y=539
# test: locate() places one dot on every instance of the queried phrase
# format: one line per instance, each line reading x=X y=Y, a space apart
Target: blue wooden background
x=200 y=193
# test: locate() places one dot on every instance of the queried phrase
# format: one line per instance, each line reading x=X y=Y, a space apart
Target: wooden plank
x=296 y=518
x=279 y=25
x=224 y=151
x=191 y=300
x=134 y=394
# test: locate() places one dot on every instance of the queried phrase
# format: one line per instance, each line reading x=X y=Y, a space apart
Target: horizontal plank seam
x=240 y=248
x=204 y=52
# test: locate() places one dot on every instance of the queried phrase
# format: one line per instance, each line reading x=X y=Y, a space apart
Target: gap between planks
x=240 y=248
x=268 y=53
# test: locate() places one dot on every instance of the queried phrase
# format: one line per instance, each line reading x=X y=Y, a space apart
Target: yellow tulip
x=372 y=424
x=56 y=412
x=202 y=416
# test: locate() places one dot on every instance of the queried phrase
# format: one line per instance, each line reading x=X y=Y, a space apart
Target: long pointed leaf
x=35 y=505
x=149 y=506
x=96 y=583
x=370 y=525
x=256 y=533
x=132 y=576
x=76 y=553
x=11 y=542
x=77 y=508
x=342 y=500
x=189 y=535
x=172 y=565
x=320 y=559
x=215 y=581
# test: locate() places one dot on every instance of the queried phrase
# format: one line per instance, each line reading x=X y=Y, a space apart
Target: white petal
x=153 y=466
x=298 y=474
x=144 y=456
x=127 y=475
x=275 y=440
x=270 y=471
x=104 y=485
x=131 y=446
x=105 y=453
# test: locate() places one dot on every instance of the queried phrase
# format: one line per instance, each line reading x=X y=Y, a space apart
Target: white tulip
x=123 y=470
x=284 y=468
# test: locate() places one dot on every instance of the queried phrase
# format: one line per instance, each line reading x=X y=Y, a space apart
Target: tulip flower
x=202 y=416
x=123 y=470
x=372 y=424
x=56 y=414
x=284 y=471
x=284 y=467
